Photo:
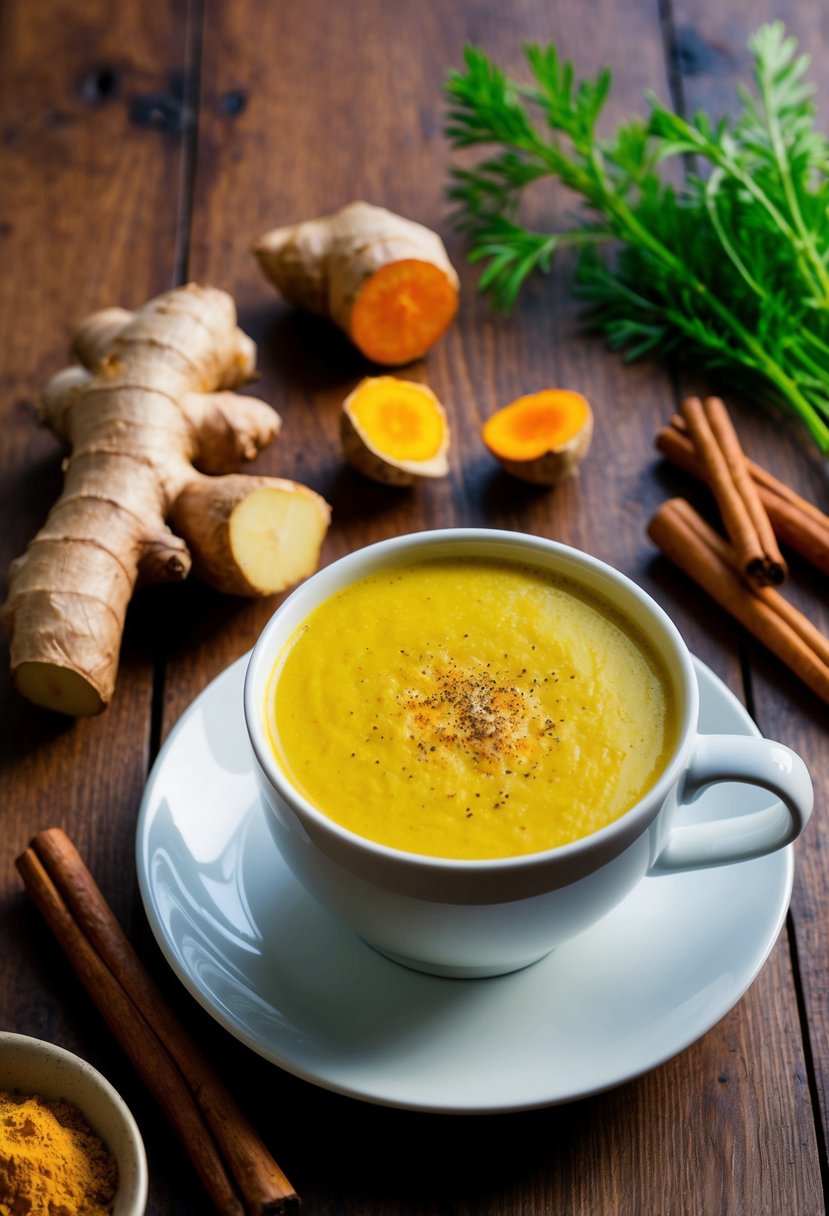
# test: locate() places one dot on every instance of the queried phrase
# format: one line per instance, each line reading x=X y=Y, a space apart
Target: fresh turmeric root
x=395 y=431
x=543 y=437
x=154 y=435
x=385 y=280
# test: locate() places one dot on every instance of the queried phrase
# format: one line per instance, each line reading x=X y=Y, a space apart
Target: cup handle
x=749 y=760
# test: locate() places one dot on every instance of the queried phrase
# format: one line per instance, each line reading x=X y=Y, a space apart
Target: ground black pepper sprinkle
x=481 y=708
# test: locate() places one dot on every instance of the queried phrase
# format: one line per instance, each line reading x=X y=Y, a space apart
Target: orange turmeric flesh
x=402 y=310
x=400 y=418
x=535 y=424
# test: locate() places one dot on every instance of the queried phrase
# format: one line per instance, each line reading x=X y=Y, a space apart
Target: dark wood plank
x=91 y=146
x=304 y=107
x=88 y=219
x=278 y=146
x=281 y=144
x=712 y=54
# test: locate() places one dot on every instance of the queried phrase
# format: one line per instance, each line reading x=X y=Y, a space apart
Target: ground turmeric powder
x=51 y=1163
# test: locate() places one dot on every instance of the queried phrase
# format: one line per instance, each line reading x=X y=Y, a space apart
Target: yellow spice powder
x=51 y=1163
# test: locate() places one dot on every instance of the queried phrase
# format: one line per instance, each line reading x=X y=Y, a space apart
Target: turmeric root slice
x=402 y=311
x=385 y=280
x=543 y=437
x=395 y=431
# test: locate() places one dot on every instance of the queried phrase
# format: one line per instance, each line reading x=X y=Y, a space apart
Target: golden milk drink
x=470 y=708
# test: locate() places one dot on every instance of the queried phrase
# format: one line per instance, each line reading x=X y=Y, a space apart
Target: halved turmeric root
x=542 y=437
x=385 y=280
x=395 y=431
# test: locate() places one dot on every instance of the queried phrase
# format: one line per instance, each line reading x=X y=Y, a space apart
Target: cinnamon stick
x=801 y=625
x=690 y=543
x=797 y=523
x=264 y=1188
x=743 y=514
x=150 y=1058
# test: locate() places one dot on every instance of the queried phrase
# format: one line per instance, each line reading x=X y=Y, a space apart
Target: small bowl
x=33 y=1067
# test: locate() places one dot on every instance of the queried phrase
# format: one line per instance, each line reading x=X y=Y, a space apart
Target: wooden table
x=144 y=146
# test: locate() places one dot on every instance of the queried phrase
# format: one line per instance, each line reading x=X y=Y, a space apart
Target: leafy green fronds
x=571 y=110
x=487 y=106
x=732 y=268
x=513 y=253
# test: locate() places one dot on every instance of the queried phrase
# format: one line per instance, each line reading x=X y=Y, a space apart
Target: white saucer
x=301 y=990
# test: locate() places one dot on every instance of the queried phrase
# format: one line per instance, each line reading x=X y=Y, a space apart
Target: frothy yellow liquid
x=470 y=708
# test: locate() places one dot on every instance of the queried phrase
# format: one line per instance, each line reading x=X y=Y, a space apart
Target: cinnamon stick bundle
x=797 y=523
x=234 y=1164
x=743 y=514
x=690 y=543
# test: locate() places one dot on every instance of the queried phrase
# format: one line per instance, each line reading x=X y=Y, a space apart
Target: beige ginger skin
x=155 y=435
x=385 y=280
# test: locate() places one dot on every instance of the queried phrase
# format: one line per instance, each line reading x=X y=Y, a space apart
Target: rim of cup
x=608 y=582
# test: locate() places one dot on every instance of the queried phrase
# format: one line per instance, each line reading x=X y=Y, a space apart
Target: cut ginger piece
x=260 y=537
x=57 y=688
x=276 y=534
x=385 y=280
x=155 y=434
x=395 y=431
x=542 y=437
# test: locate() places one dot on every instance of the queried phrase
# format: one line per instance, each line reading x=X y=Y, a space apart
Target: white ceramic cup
x=478 y=918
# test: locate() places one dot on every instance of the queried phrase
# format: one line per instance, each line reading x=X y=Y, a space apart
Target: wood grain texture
x=90 y=162
x=783 y=709
x=82 y=188
x=309 y=137
x=116 y=180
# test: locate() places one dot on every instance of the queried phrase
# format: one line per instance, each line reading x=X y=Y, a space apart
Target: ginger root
x=385 y=280
x=543 y=437
x=155 y=434
x=395 y=431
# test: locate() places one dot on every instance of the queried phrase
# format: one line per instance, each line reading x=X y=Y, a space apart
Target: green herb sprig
x=732 y=267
